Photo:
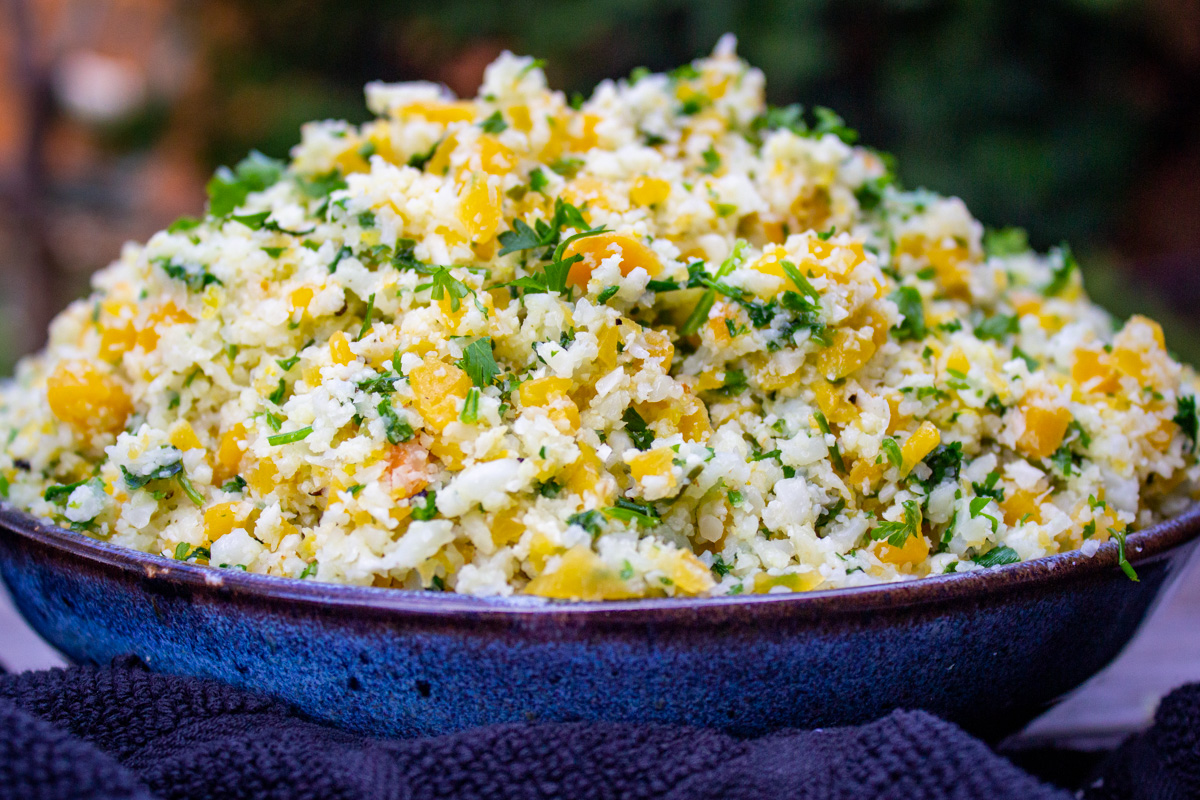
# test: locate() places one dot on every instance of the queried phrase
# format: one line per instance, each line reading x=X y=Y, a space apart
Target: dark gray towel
x=85 y=734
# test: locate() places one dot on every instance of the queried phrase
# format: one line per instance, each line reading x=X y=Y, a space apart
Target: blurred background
x=1075 y=119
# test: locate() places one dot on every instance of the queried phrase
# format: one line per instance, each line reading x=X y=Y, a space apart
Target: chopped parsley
x=712 y=161
x=396 y=428
x=908 y=300
x=997 y=556
x=426 y=510
x=591 y=521
x=897 y=532
x=479 y=362
x=1186 y=418
x=637 y=513
x=494 y=124
x=228 y=189
x=639 y=432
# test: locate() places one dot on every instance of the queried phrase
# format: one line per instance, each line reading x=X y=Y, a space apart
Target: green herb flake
x=479 y=362
x=290 y=437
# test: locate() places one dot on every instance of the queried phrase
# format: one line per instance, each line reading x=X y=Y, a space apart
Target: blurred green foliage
x=1023 y=108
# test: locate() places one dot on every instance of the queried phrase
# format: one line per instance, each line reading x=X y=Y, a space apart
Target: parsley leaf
x=228 y=189
x=641 y=435
x=591 y=521
x=629 y=511
x=396 y=428
x=494 y=124
x=997 y=556
x=897 y=532
x=479 y=363
x=712 y=161
x=1186 y=418
x=1061 y=274
x=444 y=283
x=908 y=300
x=1005 y=241
x=998 y=327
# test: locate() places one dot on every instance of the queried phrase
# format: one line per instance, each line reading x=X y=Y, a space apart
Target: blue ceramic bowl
x=988 y=649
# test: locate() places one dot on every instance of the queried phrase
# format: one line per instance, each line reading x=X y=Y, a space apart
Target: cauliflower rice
x=668 y=341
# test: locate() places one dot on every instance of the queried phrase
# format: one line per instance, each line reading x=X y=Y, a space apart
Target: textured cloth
x=119 y=733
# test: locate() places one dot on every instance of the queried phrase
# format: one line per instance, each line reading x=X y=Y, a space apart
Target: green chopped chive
x=290 y=436
x=366 y=326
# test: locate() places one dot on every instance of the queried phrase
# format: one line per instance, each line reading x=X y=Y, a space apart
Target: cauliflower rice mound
x=665 y=341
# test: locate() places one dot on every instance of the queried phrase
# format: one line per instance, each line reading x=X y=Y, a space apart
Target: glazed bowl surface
x=989 y=649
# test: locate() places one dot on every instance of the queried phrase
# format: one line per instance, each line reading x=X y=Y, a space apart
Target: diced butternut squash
x=1021 y=504
x=694 y=423
x=440 y=111
x=848 y=353
x=262 y=477
x=580 y=575
x=438 y=388
x=648 y=191
x=596 y=249
x=543 y=391
x=220 y=520
x=656 y=463
x=184 y=436
x=792 y=581
x=658 y=344
x=339 y=349
x=479 y=207
x=914 y=551
x=689 y=574
x=919 y=445
x=865 y=472
x=1093 y=371
x=408 y=469
x=88 y=400
x=587 y=475
x=833 y=404
x=229 y=454
x=1044 y=431
x=117 y=339
x=507 y=527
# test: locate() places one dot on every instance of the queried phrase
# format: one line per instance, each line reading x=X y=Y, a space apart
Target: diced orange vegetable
x=957 y=360
x=262 y=477
x=584 y=477
x=543 y=391
x=339 y=349
x=1044 y=430
x=117 y=340
x=833 y=404
x=408 y=469
x=479 y=209
x=848 y=353
x=184 y=436
x=793 y=581
x=689 y=574
x=229 y=454
x=595 y=249
x=507 y=527
x=694 y=423
x=220 y=520
x=437 y=390
x=919 y=445
x=440 y=111
x=87 y=399
x=914 y=551
x=1020 y=504
x=653 y=463
x=865 y=471
x=1093 y=370
x=648 y=191
x=580 y=575
x=659 y=346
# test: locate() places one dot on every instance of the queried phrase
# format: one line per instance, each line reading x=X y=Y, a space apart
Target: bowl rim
x=1141 y=547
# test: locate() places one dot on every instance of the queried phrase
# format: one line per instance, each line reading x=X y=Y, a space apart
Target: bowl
x=988 y=650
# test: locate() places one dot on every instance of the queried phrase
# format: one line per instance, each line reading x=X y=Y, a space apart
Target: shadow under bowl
x=988 y=650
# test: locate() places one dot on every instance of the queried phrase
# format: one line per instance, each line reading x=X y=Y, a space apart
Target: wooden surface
x=1121 y=699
